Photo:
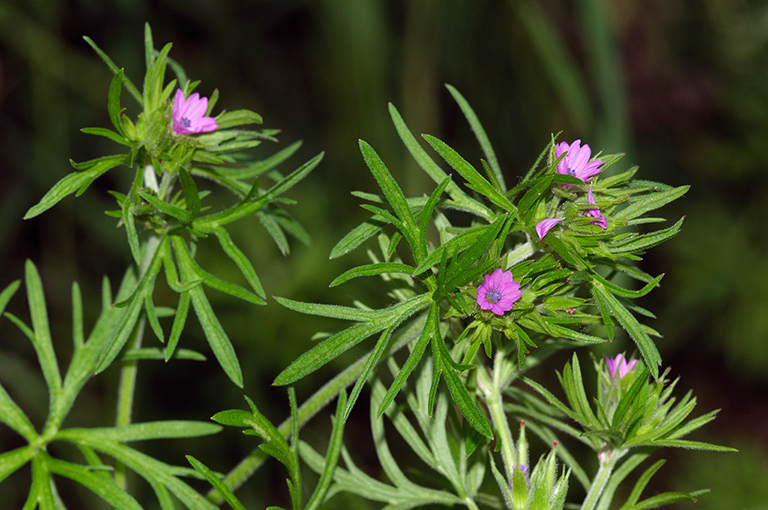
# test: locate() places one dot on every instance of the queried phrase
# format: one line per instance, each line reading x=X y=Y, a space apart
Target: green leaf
x=12 y=460
x=153 y=471
x=113 y=102
x=234 y=118
x=331 y=456
x=332 y=311
x=217 y=484
x=107 y=491
x=13 y=416
x=437 y=174
x=211 y=222
x=182 y=310
x=260 y=167
x=130 y=231
x=217 y=338
x=464 y=401
x=372 y=270
x=191 y=195
x=154 y=353
x=533 y=195
x=107 y=133
x=431 y=327
x=482 y=138
x=141 y=431
x=370 y=364
x=126 y=82
x=174 y=211
x=130 y=310
x=639 y=243
x=41 y=492
x=393 y=193
x=621 y=291
x=41 y=340
x=651 y=202
x=153 y=81
x=326 y=351
x=7 y=294
x=242 y=262
x=475 y=180
x=75 y=182
x=628 y=321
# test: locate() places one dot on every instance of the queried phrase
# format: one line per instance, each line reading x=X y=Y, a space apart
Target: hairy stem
x=608 y=460
x=127 y=387
x=492 y=392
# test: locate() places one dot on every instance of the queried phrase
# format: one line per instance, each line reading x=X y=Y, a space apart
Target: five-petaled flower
x=499 y=292
x=595 y=212
x=189 y=114
x=576 y=161
x=544 y=226
x=619 y=364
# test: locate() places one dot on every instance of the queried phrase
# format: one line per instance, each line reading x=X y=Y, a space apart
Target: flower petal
x=544 y=226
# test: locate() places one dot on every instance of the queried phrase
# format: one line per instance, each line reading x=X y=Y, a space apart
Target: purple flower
x=499 y=292
x=595 y=212
x=576 y=161
x=619 y=363
x=544 y=226
x=189 y=114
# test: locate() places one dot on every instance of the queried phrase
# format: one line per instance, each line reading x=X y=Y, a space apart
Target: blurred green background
x=681 y=87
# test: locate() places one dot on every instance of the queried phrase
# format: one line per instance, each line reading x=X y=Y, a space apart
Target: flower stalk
x=608 y=460
x=492 y=392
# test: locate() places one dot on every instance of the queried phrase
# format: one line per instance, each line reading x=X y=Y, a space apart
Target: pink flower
x=620 y=364
x=544 y=226
x=499 y=292
x=595 y=212
x=189 y=114
x=576 y=161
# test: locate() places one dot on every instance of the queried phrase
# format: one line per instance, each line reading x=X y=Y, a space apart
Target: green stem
x=127 y=387
x=521 y=252
x=471 y=503
x=243 y=471
x=608 y=460
x=492 y=391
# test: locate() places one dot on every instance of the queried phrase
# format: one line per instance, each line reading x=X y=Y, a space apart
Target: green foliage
x=434 y=254
x=90 y=471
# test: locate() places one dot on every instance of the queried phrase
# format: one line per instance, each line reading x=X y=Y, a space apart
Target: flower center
x=185 y=122
x=571 y=172
x=493 y=296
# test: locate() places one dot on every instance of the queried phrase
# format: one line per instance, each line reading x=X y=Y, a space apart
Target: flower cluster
x=576 y=163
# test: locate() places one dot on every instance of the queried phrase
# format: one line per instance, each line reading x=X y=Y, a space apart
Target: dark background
x=681 y=87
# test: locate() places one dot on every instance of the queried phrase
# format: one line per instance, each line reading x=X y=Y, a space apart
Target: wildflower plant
x=486 y=280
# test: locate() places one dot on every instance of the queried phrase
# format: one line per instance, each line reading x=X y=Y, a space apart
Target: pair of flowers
x=576 y=163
